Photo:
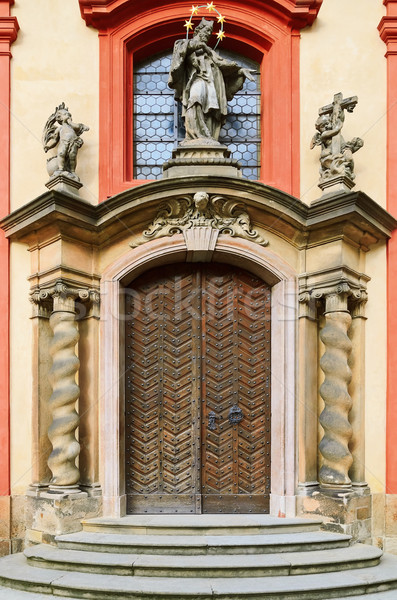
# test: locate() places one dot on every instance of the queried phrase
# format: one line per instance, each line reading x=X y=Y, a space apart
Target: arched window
x=158 y=125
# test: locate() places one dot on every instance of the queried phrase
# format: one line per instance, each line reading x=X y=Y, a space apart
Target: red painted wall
x=8 y=33
x=388 y=33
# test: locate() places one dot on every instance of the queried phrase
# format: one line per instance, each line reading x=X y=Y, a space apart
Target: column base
x=91 y=489
x=50 y=515
x=35 y=489
x=342 y=511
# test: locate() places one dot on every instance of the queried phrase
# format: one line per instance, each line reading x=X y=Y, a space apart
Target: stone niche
x=313 y=257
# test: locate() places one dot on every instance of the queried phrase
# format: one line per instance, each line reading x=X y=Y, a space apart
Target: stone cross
x=337 y=112
x=336 y=159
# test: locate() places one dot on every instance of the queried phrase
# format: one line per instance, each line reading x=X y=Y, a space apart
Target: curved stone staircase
x=200 y=557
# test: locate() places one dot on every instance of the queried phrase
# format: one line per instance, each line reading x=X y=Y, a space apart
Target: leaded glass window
x=158 y=125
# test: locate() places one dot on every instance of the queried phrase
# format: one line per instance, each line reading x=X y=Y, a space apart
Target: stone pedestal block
x=47 y=517
x=335 y=185
x=342 y=512
x=201 y=159
x=64 y=184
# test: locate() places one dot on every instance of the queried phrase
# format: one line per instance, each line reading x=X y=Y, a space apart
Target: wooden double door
x=197 y=416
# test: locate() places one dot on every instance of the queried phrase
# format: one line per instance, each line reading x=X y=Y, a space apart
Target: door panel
x=197 y=344
x=162 y=394
x=236 y=363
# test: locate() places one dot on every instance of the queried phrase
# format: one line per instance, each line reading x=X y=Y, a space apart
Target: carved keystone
x=202 y=212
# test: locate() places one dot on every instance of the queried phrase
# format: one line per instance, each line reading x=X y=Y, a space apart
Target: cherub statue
x=61 y=130
x=336 y=154
x=204 y=82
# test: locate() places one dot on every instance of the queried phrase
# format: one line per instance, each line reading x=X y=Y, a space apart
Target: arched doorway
x=197 y=390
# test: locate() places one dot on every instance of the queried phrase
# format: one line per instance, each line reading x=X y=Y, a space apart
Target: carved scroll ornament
x=177 y=215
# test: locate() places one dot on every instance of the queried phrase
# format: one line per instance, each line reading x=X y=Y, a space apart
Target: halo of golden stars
x=211 y=8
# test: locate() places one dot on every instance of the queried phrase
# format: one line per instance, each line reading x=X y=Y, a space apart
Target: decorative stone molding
x=208 y=216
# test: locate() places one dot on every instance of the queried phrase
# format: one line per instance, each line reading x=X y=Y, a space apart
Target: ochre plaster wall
x=375 y=371
x=342 y=52
x=55 y=59
x=21 y=373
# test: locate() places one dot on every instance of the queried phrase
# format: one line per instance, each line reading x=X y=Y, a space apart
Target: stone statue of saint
x=204 y=82
x=60 y=130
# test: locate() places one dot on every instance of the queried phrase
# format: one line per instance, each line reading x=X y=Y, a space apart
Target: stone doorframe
x=245 y=254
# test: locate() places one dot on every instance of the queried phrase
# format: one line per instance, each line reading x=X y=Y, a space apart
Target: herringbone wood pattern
x=197 y=335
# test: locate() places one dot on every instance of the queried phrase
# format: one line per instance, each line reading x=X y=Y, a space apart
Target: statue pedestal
x=64 y=184
x=335 y=185
x=201 y=159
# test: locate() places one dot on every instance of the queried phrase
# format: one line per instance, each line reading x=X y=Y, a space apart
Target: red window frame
x=268 y=34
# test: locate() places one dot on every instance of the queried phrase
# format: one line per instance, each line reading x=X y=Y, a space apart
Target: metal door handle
x=235 y=415
x=211 y=420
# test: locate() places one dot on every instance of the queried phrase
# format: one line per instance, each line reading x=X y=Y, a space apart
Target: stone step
x=196 y=545
x=218 y=524
x=11 y=594
x=254 y=565
x=15 y=573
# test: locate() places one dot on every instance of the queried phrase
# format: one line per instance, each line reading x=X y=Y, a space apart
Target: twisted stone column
x=334 y=446
x=62 y=403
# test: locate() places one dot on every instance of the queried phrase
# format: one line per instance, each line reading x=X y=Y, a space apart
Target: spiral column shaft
x=334 y=446
x=65 y=393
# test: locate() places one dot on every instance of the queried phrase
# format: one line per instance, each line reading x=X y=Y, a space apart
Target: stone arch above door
x=260 y=261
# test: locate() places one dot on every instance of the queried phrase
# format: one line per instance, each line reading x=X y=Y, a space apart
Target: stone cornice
x=338 y=207
x=339 y=280
x=103 y=14
x=352 y=216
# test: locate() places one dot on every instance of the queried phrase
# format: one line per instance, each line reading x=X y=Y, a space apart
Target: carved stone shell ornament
x=177 y=215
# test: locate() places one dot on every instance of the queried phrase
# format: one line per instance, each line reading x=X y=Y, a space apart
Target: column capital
x=307 y=305
x=338 y=287
x=61 y=296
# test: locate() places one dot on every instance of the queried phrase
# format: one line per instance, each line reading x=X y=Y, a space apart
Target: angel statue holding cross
x=336 y=159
